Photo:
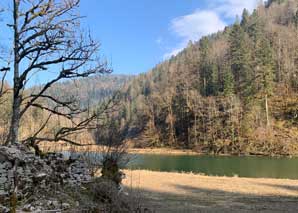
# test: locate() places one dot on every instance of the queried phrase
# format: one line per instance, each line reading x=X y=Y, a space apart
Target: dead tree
x=47 y=39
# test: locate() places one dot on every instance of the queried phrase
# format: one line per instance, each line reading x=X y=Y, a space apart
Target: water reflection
x=258 y=167
x=221 y=166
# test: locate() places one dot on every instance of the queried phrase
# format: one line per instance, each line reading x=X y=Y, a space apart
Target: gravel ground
x=184 y=192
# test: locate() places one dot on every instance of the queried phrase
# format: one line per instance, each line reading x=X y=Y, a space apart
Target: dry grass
x=161 y=151
x=60 y=146
x=176 y=192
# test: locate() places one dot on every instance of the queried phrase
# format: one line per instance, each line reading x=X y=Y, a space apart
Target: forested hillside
x=230 y=92
x=91 y=91
x=86 y=92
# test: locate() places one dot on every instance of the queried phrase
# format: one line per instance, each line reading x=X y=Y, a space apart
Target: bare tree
x=48 y=42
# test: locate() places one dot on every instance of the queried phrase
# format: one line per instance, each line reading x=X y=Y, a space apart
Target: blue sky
x=135 y=35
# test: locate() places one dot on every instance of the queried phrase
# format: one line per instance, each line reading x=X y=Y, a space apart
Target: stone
x=49 y=203
x=40 y=176
x=65 y=206
x=2 y=158
x=55 y=204
x=34 y=171
x=4 y=209
x=3 y=180
x=27 y=207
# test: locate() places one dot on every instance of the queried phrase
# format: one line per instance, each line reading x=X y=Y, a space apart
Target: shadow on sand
x=196 y=199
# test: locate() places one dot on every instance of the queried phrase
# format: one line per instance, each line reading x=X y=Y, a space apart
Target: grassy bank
x=176 y=192
x=60 y=147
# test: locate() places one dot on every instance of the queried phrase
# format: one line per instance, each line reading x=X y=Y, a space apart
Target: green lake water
x=257 y=167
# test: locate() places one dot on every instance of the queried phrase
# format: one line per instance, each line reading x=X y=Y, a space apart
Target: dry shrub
x=106 y=192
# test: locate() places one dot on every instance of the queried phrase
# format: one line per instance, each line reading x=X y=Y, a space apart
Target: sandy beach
x=186 y=192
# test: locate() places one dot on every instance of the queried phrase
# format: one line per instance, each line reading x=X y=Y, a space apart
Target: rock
x=2 y=158
x=4 y=209
x=65 y=206
x=40 y=176
x=56 y=204
x=35 y=172
x=27 y=207
x=49 y=203
x=3 y=180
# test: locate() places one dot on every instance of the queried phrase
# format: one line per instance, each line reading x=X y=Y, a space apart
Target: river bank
x=186 y=192
x=163 y=151
x=64 y=147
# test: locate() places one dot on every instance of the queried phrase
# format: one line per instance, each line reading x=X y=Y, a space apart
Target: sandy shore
x=176 y=192
x=161 y=151
x=59 y=147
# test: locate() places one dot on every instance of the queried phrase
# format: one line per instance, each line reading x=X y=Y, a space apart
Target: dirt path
x=175 y=192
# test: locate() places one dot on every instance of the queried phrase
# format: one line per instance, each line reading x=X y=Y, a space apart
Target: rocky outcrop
x=20 y=167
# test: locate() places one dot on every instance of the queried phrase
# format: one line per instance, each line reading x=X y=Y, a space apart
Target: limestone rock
x=35 y=172
x=4 y=209
x=65 y=206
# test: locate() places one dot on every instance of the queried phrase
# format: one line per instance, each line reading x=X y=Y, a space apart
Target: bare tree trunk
x=195 y=126
x=205 y=87
x=172 y=134
x=15 y=119
x=267 y=110
x=279 y=61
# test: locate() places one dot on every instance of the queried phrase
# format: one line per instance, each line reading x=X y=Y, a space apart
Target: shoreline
x=157 y=151
x=95 y=148
x=201 y=174
x=161 y=151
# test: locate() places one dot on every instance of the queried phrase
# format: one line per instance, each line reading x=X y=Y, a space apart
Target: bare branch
x=47 y=38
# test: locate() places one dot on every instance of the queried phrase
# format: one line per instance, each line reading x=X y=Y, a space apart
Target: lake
x=244 y=166
x=257 y=167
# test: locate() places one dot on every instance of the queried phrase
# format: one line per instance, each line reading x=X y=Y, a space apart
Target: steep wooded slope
x=230 y=92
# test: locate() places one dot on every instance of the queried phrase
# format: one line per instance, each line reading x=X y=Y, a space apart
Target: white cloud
x=193 y=27
x=197 y=24
x=205 y=22
x=232 y=8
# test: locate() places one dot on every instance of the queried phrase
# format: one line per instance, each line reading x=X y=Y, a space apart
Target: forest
x=233 y=92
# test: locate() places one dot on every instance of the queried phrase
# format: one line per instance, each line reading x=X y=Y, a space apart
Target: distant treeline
x=88 y=93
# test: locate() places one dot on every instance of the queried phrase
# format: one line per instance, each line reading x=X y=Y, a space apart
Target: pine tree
x=265 y=66
x=204 y=66
x=239 y=57
x=245 y=19
x=269 y=2
x=264 y=72
x=256 y=26
x=214 y=81
x=229 y=89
